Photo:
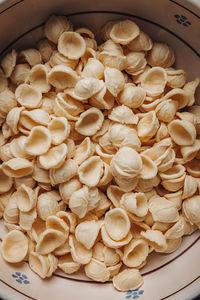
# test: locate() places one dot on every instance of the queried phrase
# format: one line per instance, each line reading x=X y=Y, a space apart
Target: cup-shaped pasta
x=29 y=119
x=40 y=175
x=176 y=198
x=106 y=144
x=20 y=74
x=103 y=99
x=172 y=245
x=128 y=279
x=190 y=186
x=69 y=218
x=114 y=80
x=177 y=230
x=103 y=205
x=86 y=233
x=39 y=140
x=174 y=172
x=163 y=210
x=49 y=240
x=3 y=81
x=175 y=78
x=183 y=133
x=195 y=110
x=147 y=126
x=55 y=26
x=117 y=223
x=39 y=264
x=155 y=238
x=58 y=59
x=62 y=77
x=7 y=102
x=28 y=96
x=123 y=115
x=190 y=88
x=54 y=157
x=114 y=194
x=193 y=168
x=86 y=88
x=12 y=119
x=72 y=106
x=109 y=242
x=5 y=152
x=26 y=219
x=140 y=43
x=17 y=167
x=149 y=168
x=48 y=204
x=124 y=32
x=93 y=68
x=62 y=250
x=84 y=151
x=154 y=81
x=46 y=49
x=31 y=56
x=59 y=129
x=90 y=171
x=173 y=184
x=54 y=222
x=26 y=198
x=135 y=62
x=37 y=228
x=168 y=162
x=111 y=256
x=66 y=189
x=11 y=211
x=38 y=78
x=14 y=246
x=166 y=110
x=72 y=45
x=6 y=182
x=64 y=173
x=132 y=96
x=187 y=116
x=135 y=253
x=178 y=95
x=189 y=152
x=8 y=62
x=114 y=270
x=97 y=270
x=78 y=202
x=79 y=253
x=161 y=55
x=135 y=203
x=106 y=176
x=90 y=121
x=113 y=60
x=191 y=209
x=68 y=265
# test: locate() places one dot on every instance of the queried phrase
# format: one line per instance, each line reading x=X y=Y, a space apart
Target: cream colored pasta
x=8 y=62
x=31 y=56
x=28 y=96
x=71 y=44
x=62 y=77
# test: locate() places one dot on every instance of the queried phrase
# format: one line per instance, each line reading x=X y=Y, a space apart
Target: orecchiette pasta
x=99 y=150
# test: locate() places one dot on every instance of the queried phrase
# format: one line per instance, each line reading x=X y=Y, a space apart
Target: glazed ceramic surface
x=174 y=276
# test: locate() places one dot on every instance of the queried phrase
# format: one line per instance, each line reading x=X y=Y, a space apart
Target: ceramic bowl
x=174 y=276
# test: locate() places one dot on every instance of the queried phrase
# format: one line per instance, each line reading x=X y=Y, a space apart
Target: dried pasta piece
x=123 y=115
x=62 y=77
x=8 y=62
x=29 y=119
x=69 y=218
x=147 y=126
x=135 y=253
x=114 y=80
x=128 y=279
x=163 y=210
x=20 y=74
x=109 y=242
x=72 y=106
x=135 y=204
x=49 y=240
x=26 y=219
x=93 y=68
x=161 y=55
x=154 y=81
x=155 y=238
x=190 y=152
x=46 y=49
x=39 y=264
x=178 y=95
x=26 y=198
x=12 y=119
x=166 y=110
x=183 y=133
x=176 y=198
x=66 y=189
x=31 y=56
x=86 y=88
x=149 y=168
x=86 y=233
x=71 y=44
x=172 y=245
x=191 y=208
x=28 y=96
x=54 y=157
x=6 y=182
x=3 y=81
x=14 y=246
x=58 y=59
x=17 y=167
x=7 y=102
x=176 y=78
x=79 y=253
x=48 y=204
x=39 y=140
x=38 y=78
x=177 y=230
x=54 y=222
x=175 y=171
x=59 y=129
x=190 y=88
x=84 y=151
x=103 y=99
x=68 y=265
x=90 y=171
x=124 y=32
x=132 y=96
x=135 y=63
x=55 y=26
x=142 y=42
x=97 y=271
x=64 y=173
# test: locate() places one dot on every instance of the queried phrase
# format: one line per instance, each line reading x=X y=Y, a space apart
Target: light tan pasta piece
x=53 y=264
x=111 y=256
x=6 y=182
x=163 y=210
x=40 y=175
x=114 y=80
x=28 y=96
x=86 y=88
x=62 y=250
x=46 y=49
x=135 y=63
x=182 y=132
x=64 y=173
x=147 y=126
x=14 y=246
x=97 y=271
x=155 y=238
x=168 y=162
x=68 y=265
x=59 y=129
x=66 y=189
x=26 y=198
x=189 y=88
x=29 y=119
x=175 y=171
x=149 y=168
x=106 y=143
x=93 y=68
x=128 y=279
x=79 y=253
x=135 y=253
x=176 y=198
x=114 y=194
x=84 y=151
x=26 y=219
x=142 y=42
x=190 y=152
x=72 y=106
x=62 y=77
x=103 y=205
x=154 y=81
x=49 y=240
x=177 y=230
x=132 y=96
x=72 y=45
x=39 y=264
x=166 y=110
x=8 y=62
x=176 y=78
x=3 y=81
x=190 y=186
x=113 y=60
x=103 y=99
x=161 y=55
x=20 y=74
x=54 y=157
x=69 y=218
x=90 y=171
x=86 y=233
x=39 y=140
x=191 y=209
x=54 y=222
x=55 y=26
x=173 y=184
x=172 y=245
x=48 y=100
x=37 y=228
x=32 y=56
x=12 y=119
x=123 y=115
x=48 y=204
x=124 y=32
x=11 y=211
x=195 y=110
x=114 y=270
x=17 y=167
x=38 y=78
x=193 y=168
x=58 y=59
x=135 y=204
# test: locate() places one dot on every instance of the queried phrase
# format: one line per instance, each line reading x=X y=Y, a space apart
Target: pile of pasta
x=100 y=155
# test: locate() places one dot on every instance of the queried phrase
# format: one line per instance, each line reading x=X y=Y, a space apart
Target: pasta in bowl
x=95 y=148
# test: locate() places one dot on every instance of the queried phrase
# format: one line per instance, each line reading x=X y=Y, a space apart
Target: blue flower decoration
x=135 y=294
x=20 y=278
x=181 y=19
